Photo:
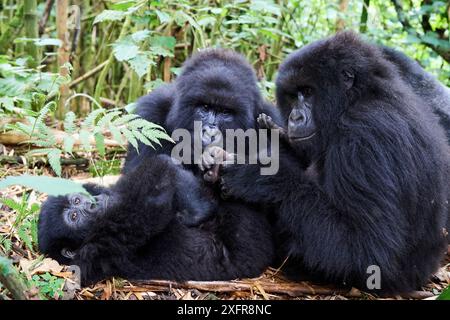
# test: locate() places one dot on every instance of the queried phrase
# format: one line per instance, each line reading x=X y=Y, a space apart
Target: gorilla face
x=218 y=88
x=82 y=210
x=65 y=220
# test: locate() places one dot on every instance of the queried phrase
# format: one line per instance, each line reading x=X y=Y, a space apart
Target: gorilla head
x=321 y=81
x=217 y=87
x=68 y=220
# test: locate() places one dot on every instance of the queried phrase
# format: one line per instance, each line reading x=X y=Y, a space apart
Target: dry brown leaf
x=47 y=265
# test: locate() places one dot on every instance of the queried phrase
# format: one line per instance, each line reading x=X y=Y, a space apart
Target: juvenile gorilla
x=133 y=230
x=366 y=181
x=217 y=87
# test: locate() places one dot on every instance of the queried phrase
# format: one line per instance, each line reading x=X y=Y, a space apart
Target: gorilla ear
x=348 y=78
x=67 y=253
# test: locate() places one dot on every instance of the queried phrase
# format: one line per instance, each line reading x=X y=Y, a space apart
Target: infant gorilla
x=136 y=230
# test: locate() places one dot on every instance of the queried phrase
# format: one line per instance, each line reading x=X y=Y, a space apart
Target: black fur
x=215 y=77
x=140 y=236
x=424 y=84
x=371 y=187
x=219 y=78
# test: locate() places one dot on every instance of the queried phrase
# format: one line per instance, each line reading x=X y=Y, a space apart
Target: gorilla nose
x=296 y=117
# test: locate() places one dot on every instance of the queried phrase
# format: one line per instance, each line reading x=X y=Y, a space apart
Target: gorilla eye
x=205 y=107
x=73 y=215
x=77 y=200
x=306 y=91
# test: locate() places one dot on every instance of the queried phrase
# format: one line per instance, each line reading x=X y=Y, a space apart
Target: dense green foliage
x=70 y=72
x=79 y=61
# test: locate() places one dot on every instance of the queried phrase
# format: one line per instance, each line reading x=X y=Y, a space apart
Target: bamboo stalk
x=31 y=30
x=13 y=28
x=102 y=77
x=63 y=53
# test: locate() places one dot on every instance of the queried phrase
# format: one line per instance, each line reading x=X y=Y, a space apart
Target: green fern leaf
x=130 y=137
x=115 y=132
x=22 y=232
x=54 y=159
x=68 y=143
x=100 y=144
x=85 y=139
x=124 y=119
x=14 y=205
x=89 y=122
x=69 y=122
x=142 y=138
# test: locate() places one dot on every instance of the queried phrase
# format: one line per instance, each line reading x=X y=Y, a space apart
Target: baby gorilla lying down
x=133 y=230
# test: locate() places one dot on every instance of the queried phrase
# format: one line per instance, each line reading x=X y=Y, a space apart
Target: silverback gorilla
x=365 y=182
x=217 y=87
x=132 y=230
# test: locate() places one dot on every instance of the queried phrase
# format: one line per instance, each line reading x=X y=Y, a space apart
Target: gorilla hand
x=212 y=158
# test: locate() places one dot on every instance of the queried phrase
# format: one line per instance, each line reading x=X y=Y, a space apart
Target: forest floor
x=50 y=280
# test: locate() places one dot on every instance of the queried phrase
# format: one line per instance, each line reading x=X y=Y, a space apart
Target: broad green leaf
x=12 y=87
x=163 y=41
x=160 y=51
x=163 y=17
x=109 y=15
x=45 y=184
x=41 y=42
x=445 y=295
x=125 y=50
x=123 y=5
x=131 y=107
x=7 y=103
x=140 y=35
x=140 y=64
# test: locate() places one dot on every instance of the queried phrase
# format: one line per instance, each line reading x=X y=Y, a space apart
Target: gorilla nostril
x=297 y=117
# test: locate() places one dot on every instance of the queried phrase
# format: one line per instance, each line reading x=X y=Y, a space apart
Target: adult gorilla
x=217 y=87
x=366 y=183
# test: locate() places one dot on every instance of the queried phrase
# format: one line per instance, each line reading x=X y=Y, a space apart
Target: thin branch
x=45 y=16
x=87 y=74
